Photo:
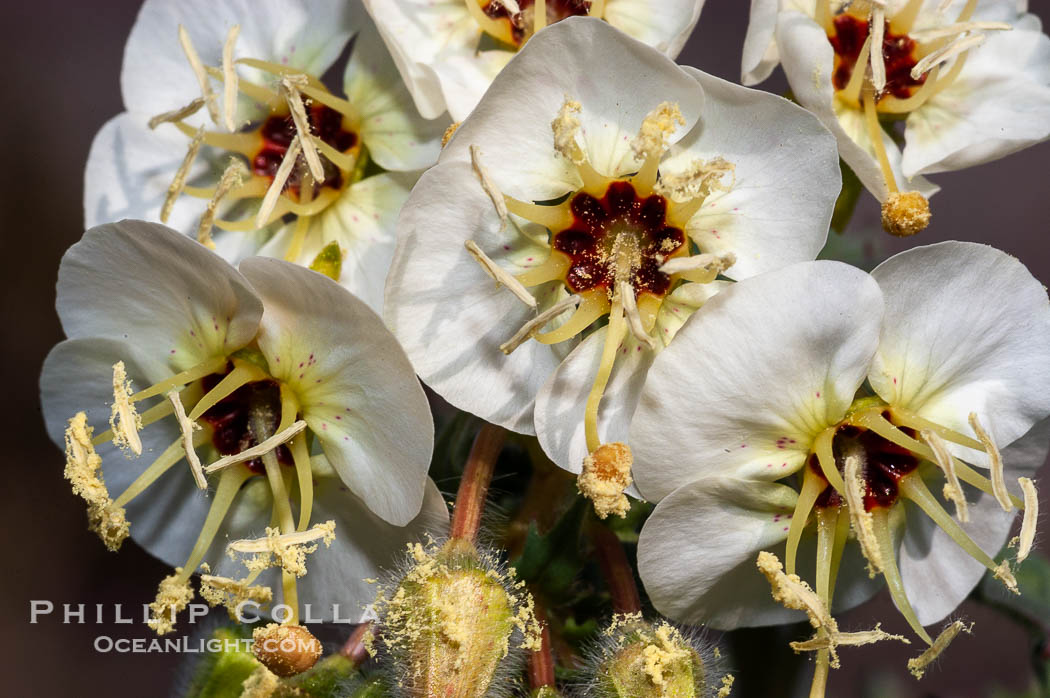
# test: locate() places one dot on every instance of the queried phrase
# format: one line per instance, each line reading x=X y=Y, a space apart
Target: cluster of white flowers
x=570 y=236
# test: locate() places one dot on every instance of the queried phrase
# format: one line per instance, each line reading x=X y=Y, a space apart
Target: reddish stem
x=616 y=569
x=477 y=475
x=354 y=648
x=541 y=662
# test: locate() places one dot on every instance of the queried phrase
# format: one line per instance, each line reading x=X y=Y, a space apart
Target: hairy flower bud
x=286 y=650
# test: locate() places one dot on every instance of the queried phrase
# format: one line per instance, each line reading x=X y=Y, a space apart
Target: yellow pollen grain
x=727 y=686
x=1031 y=515
x=861 y=520
x=698 y=181
x=229 y=79
x=500 y=275
x=177 y=114
x=198 y=70
x=490 y=187
x=232 y=177
x=666 y=647
x=995 y=464
x=290 y=87
x=606 y=474
x=286 y=551
x=187 y=426
x=565 y=127
x=224 y=591
x=917 y=666
x=449 y=132
x=261 y=683
x=953 y=490
x=124 y=420
x=83 y=471
x=179 y=181
x=656 y=128
x=173 y=595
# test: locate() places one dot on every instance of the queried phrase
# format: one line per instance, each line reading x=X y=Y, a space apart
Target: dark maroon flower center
x=230 y=419
x=898 y=52
x=557 y=10
x=884 y=464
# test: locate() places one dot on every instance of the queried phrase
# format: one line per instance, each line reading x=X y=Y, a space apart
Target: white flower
x=220 y=361
x=972 y=79
x=655 y=180
x=257 y=60
x=449 y=51
x=912 y=375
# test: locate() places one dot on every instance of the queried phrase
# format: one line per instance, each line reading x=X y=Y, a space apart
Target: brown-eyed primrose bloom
x=970 y=79
x=837 y=401
x=266 y=412
x=449 y=51
x=605 y=190
x=231 y=137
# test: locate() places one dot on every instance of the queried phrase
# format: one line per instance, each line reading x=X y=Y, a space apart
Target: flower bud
x=286 y=650
x=449 y=622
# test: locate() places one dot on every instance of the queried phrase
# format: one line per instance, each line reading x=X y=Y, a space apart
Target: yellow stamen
x=891 y=573
x=902 y=21
x=875 y=134
x=290 y=88
x=176 y=114
x=489 y=186
x=187 y=426
x=169 y=457
x=277 y=186
x=917 y=666
x=652 y=141
x=822 y=446
x=945 y=54
x=908 y=418
x=954 y=29
x=952 y=489
x=231 y=593
x=1031 y=515
x=593 y=304
x=556 y=266
x=229 y=74
x=449 y=132
x=124 y=419
x=242 y=373
x=199 y=72
x=822 y=15
x=832 y=533
x=83 y=470
x=812 y=486
x=232 y=177
x=614 y=335
x=878 y=60
x=204 y=368
x=862 y=520
x=287 y=551
x=281 y=71
x=173 y=596
x=565 y=127
x=697 y=181
x=995 y=464
x=257 y=450
x=791 y=592
x=247 y=143
x=179 y=182
x=634 y=320
x=555 y=218
x=851 y=92
x=530 y=328
x=848 y=639
x=500 y=275
x=605 y=475
x=701 y=268
x=539 y=20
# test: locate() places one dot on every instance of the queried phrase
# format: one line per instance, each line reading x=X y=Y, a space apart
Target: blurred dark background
x=61 y=73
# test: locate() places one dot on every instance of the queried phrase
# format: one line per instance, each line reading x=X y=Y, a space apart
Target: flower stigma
x=513 y=22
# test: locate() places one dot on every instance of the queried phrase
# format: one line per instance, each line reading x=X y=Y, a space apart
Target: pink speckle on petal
x=786 y=527
x=339 y=416
x=818 y=393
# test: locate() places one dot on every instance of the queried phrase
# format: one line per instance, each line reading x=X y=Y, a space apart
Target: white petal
x=561 y=402
x=697 y=553
x=397 y=138
x=760 y=55
x=617 y=80
x=449 y=315
x=999 y=104
x=787 y=177
x=156 y=76
x=807 y=58
x=356 y=387
x=663 y=24
x=754 y=375
x=967 y=330
x=163 y=293
x=78 y=376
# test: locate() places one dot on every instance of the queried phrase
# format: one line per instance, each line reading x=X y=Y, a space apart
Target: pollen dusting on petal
x=173 y=596
x=656 y=128
x=861 y=520
x=727 y=686
x=261 y=683
x=1031 y=515
x=124 y=420
x=1002 y=495
x=449 y=132
x=223 y=591
x=697 y=181
x=287 y=551
x=917 y=666
x=905 y=213
x=953 y=490
x=83 y=472
x=606 y=474
x=565 y=126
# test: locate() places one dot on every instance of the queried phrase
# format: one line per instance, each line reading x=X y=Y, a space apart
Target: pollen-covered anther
x=952 y=488
x=176 y=114
x=449 y=132
x=286 y=650
x=261 y=683
x=905 y=213
x=259 y=449
x=827 y=641
x=231 y=593
x=791 y=592
x=634 y=319
x=83 y=472
x=1004 y=574
x=995 y=464
x=537 y=323
x=1031 y=516
x=290 y=85
x=500 y=275
x=699 y=267
x=917 y=666
x=287 y=551
x=173 y=595
x=861 y=520
x=187 y=426
x=490 y=187
x=878 y=58
x=606 y=474
x=232 y=177
x=946 y=53
x=656 y=129
x=124 y=420
x=698 y=181
x=565 y=127
x=178 y=182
